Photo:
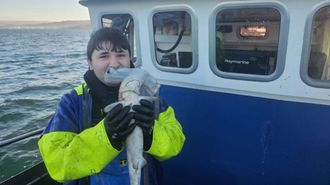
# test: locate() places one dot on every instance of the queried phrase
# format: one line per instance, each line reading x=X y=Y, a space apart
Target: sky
x=42 y=10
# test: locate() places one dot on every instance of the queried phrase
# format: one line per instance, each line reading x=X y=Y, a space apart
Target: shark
x=135 y=84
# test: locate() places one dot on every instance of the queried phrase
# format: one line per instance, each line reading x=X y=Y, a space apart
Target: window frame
x=194 y=38
x=136 y=31
x=282 y=41
x=306 y=51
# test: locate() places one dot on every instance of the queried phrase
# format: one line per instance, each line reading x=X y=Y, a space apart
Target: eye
x=121 y=55
x=103 y=56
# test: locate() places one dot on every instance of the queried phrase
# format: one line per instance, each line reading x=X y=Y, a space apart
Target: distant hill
x=81 y=25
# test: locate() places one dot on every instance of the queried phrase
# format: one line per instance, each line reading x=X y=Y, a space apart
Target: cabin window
x=318 y=60
x=246 y=41
x=125 y=23
x=173 y=41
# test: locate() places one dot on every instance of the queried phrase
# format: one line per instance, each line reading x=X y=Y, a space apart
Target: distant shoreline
x=80 y=25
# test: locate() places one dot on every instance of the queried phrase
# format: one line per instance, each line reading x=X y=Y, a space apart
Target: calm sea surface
x=36 y=68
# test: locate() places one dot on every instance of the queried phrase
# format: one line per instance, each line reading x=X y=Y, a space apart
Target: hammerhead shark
x=136 y=84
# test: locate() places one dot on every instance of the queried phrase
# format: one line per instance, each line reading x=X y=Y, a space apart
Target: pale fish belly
x=134 y=147
x=134 y=142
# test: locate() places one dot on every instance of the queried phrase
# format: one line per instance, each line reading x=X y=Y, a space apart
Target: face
x=107 y=57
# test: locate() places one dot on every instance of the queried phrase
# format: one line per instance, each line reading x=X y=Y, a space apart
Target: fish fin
x=150 y=98
x=142 y=162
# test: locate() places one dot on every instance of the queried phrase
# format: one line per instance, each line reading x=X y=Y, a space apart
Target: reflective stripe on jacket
x=71 y=152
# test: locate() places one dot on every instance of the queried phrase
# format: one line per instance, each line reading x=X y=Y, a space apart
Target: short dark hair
x=115 y=36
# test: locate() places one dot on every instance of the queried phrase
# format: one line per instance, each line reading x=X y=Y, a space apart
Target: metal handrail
x=20 y=137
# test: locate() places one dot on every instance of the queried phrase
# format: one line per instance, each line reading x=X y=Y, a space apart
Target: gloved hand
x=117 y=125
x=144 y=118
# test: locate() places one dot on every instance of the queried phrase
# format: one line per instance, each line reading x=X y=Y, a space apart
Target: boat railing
x=35 y=175
x=20 y=137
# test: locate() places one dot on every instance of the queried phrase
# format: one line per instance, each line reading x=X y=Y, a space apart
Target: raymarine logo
x=237 y=61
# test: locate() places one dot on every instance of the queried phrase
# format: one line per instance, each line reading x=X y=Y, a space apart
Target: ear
x=89 y=62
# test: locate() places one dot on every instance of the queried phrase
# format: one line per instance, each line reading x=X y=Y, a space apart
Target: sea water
x=36 y=68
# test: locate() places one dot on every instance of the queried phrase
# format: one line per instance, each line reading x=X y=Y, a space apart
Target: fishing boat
x=249 y=81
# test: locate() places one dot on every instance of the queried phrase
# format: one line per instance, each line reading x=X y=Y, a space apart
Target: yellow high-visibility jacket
x=71 y=152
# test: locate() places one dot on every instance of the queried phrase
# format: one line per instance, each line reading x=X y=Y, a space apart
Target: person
x=84 y=145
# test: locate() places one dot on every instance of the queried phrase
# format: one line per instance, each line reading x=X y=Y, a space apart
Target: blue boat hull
x=234 y=139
